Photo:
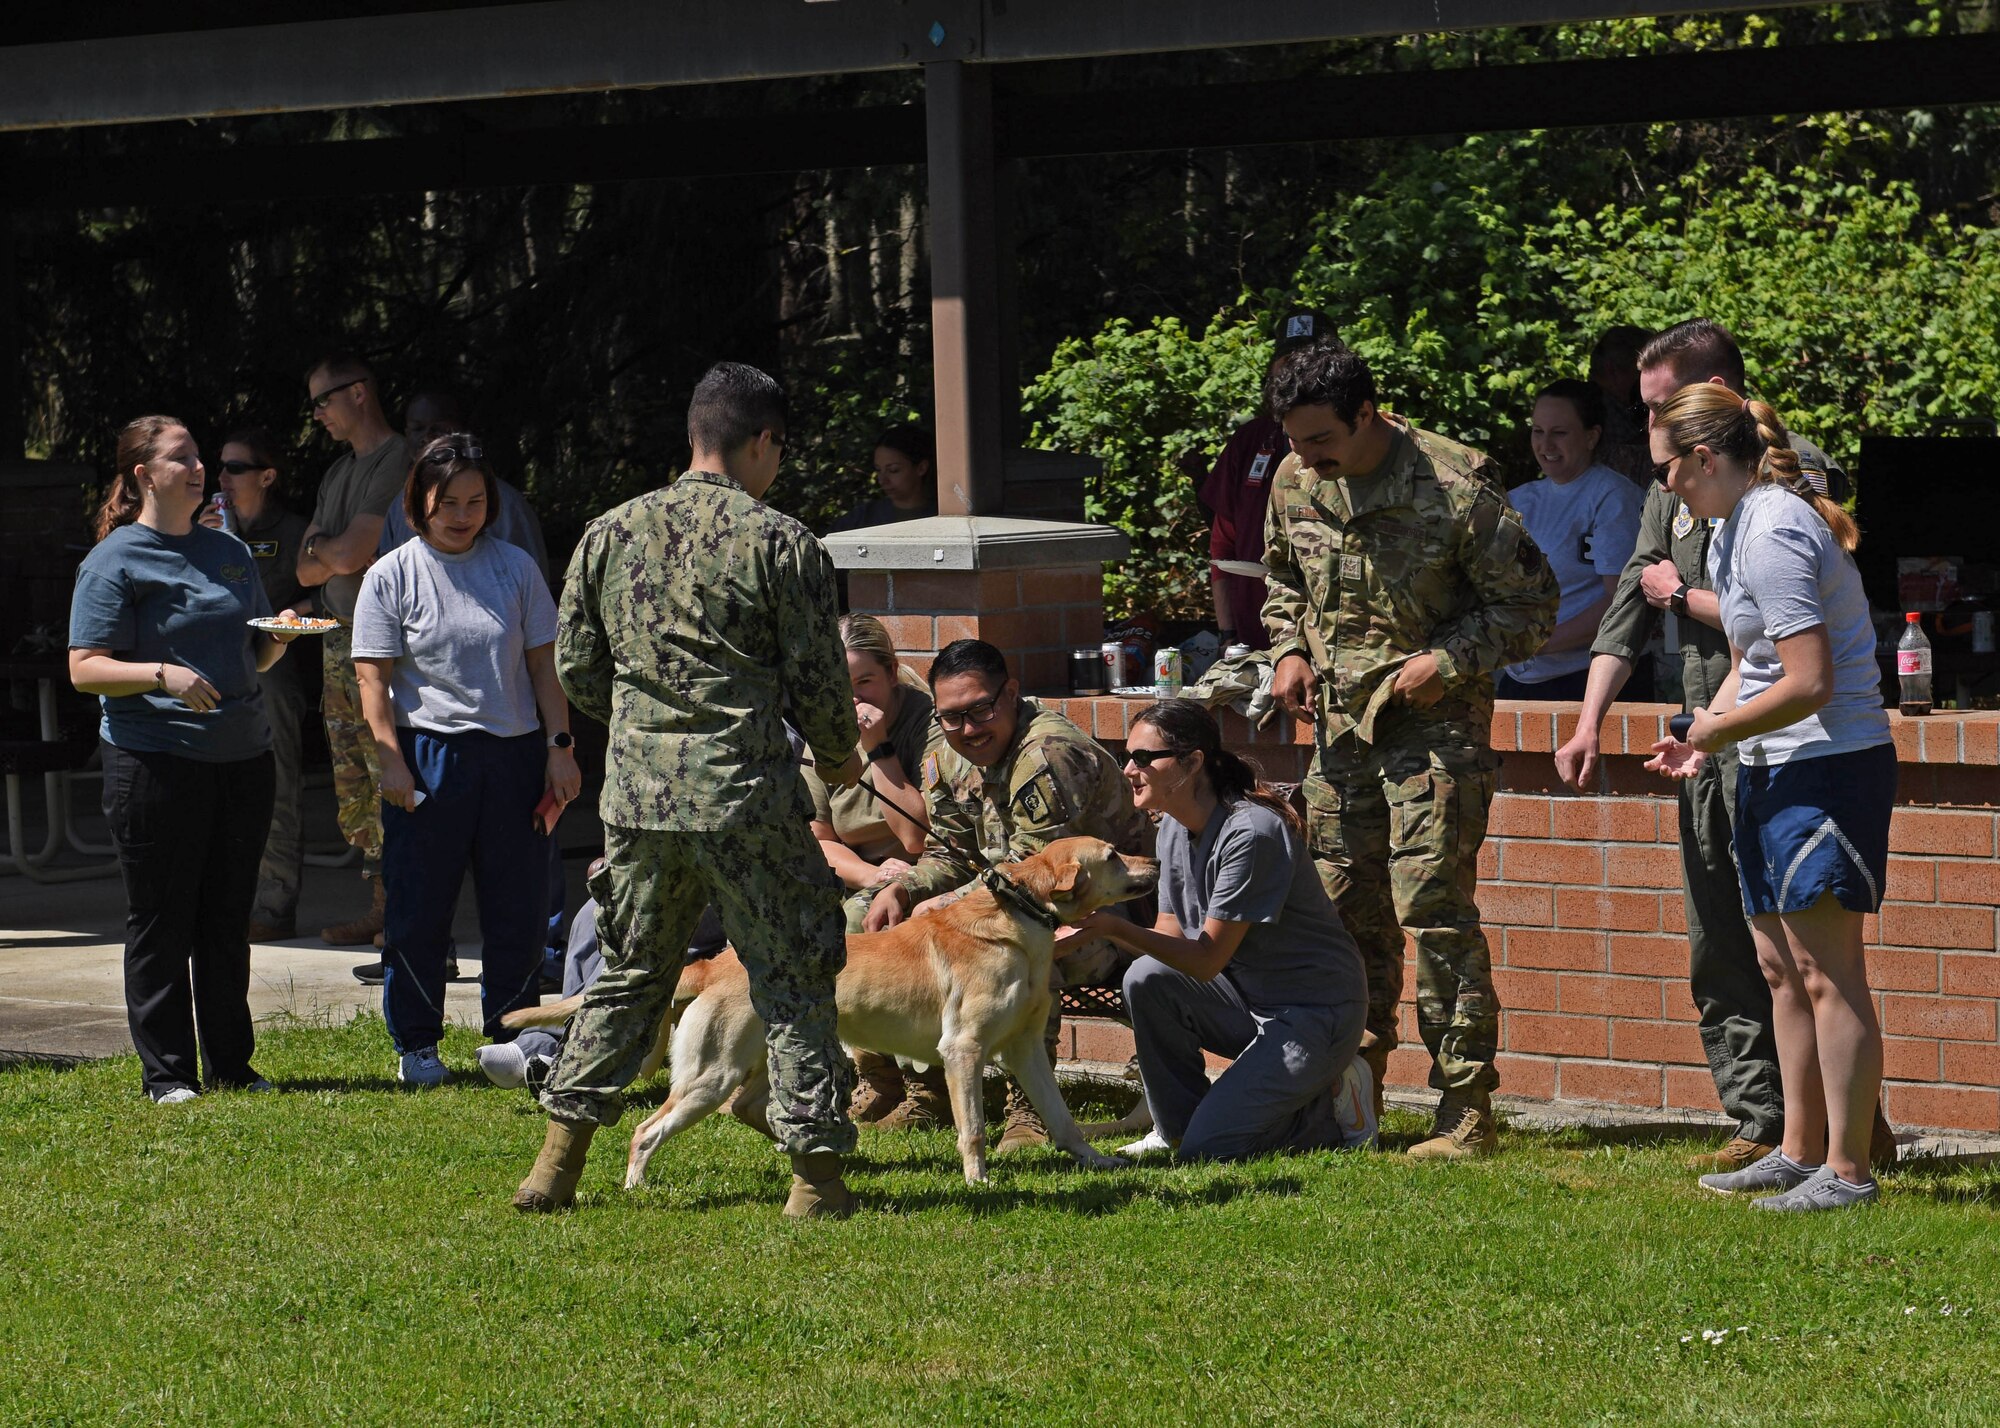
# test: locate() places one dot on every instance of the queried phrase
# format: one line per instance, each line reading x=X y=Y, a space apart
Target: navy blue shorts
x=1808 y=827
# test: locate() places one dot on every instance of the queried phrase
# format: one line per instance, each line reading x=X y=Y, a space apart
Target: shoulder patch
x=930 y=772
x=1040 y=800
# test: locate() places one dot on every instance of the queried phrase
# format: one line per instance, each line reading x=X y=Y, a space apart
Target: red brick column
x=1034 y=616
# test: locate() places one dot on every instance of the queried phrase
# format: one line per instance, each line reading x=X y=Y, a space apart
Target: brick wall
x=1035 y=616
x=1581 y=900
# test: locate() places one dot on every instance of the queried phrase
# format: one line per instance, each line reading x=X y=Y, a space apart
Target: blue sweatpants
x=480 y=793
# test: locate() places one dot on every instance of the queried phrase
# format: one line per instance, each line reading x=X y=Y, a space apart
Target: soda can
x=1236 y=652
x=1114 y=664
x=1167 y=672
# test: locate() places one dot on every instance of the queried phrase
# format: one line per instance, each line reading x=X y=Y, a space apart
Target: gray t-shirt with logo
x=357 y=486
x=1249 y=865
x=1778 y=572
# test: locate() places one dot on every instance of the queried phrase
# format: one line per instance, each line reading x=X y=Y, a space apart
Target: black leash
x=997 y=882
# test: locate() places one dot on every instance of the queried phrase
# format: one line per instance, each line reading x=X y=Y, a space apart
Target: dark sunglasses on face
x=1146 y=758
x=237 y=468
x=973 y=715
x=319 y=402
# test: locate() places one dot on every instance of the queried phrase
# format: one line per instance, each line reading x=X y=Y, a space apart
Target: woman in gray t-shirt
x=1816 y=780
x=1248 y=959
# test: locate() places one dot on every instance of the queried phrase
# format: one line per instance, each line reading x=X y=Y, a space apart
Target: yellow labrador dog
x=958 y=987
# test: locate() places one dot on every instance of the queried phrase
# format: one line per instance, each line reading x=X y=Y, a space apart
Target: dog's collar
x=1007 y=890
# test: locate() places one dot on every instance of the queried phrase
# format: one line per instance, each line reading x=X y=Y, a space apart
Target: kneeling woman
x=1248 y=959
x=454 y=646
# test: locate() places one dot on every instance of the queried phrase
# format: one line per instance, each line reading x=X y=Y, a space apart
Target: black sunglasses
x=1146 y=758
x=442 y=454
x=237 y=468
x=319 y=402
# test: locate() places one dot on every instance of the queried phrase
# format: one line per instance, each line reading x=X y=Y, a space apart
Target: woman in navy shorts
x=1816 y=782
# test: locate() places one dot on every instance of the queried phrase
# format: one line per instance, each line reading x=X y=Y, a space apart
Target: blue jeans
x=480 y=793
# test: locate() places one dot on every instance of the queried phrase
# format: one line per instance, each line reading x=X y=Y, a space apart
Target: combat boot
x=551 y=1185
x=881 y=1089
x=1740 y=1153
x=1024 y=1123
x=362 y=930
x=1377 y=1058
x=818 y=1192
x=926 y=1103
x=1463 y=1128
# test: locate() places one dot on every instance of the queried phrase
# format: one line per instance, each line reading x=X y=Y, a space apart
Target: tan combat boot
x=926 y=1103
x=551 y=1185
x=1377 y=1058
x=361 y=930
x=1024 y=1123
x=881 y=1088
x=1463 y=1128
x=1739 y=1154
x=818 y=1192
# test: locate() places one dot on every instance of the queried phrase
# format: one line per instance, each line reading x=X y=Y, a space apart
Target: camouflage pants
x=780 y=907
x=357 y=773
x=1395 y=832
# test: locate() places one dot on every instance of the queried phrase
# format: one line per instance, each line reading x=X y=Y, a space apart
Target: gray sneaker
x=505 y=1064
x=1775 y=1173
x=1354 y=1107
x=422 y=1068
x=1824 y=1191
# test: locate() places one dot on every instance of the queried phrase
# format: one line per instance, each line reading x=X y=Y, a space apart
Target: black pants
x=189 y=837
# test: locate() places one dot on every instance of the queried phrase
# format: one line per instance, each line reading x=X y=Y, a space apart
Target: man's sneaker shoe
x=1739 y=1154
x=1354 y=1107
x=1463 y=1128
x=535 y=1074
x=1024 y=1123
x=176 y=1096
x=422 y=1068
x=1774 y=1172
x=1824 y=1190
x=371 y=974
x=1151 y=1143
x=505 y=1064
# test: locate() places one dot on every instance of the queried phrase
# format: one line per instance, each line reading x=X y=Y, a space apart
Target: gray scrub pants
x=1278 y=1095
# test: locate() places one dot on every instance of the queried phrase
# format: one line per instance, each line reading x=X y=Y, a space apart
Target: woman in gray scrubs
x=1248 y=959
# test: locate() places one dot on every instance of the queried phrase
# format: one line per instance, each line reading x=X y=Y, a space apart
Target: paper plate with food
x=290 y=624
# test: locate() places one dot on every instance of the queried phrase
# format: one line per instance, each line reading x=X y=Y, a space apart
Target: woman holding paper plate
x=160 y=628
x=454 y=646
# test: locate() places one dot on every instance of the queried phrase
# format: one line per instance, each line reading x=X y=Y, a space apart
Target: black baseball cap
x=1302 y=328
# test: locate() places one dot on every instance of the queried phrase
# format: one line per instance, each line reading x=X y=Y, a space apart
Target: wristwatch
x=561 y=740
x=1678 y=601
x=883 y=750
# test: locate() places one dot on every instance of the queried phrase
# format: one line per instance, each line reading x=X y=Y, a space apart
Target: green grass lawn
x=344 y=1252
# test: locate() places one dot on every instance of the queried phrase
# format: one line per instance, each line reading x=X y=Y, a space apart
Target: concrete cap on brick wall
x=976 y=543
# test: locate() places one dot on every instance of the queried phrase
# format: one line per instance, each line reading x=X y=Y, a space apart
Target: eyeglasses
x=972 y=716
x=319 y=402
x=442 y=454
x=237 y=468
x=1663 y=469
x=1146 y=758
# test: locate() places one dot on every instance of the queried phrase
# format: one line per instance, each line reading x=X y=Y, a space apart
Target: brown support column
x=965 y=302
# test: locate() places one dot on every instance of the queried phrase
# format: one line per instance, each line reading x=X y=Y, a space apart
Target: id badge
x=1259 y=468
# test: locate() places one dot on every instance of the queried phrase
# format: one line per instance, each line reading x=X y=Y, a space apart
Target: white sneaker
x=505 y=1064
x=1151 y=1143
x=1354 y=1107
x=422 y=1068
x=176 y=1096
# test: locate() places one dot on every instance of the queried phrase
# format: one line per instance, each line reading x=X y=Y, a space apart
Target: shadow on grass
x=299 y=1085
x=1087 y=1195
x=1640 y=1135
x=41 y=1061
x=1970 y=1179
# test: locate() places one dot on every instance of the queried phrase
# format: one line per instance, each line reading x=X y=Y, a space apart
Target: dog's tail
x=694 y=977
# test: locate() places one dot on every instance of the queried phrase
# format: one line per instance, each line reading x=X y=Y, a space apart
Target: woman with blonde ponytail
x=1816 y=778
x=1248 y=959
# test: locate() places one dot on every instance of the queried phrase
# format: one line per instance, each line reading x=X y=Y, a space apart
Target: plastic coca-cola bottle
x=1913 y=666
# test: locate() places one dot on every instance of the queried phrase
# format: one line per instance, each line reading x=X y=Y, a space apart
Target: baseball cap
x=1301 y=328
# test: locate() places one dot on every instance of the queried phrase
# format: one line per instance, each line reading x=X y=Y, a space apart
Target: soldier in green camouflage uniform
x=1012 y=779
x=693 y=619
x=1400 y=580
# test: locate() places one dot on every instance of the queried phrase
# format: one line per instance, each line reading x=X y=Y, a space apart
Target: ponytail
x=139 y=441
x=1709 y=414
x=1189 y=728
x=1780 y=463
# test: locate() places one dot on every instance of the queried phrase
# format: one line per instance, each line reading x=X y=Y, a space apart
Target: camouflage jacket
x=1054 y=781
x=694 y=619
x=1423 y=554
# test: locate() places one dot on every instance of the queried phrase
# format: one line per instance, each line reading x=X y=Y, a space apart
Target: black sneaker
x=535 y=1074
x=370 y=974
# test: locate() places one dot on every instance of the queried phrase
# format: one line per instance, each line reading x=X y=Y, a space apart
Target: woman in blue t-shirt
x=454 y=649
x=1816 y=778
x=159 y=629
x=1248 y=959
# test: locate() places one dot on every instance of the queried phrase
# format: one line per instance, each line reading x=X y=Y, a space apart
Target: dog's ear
x=1073 y=882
